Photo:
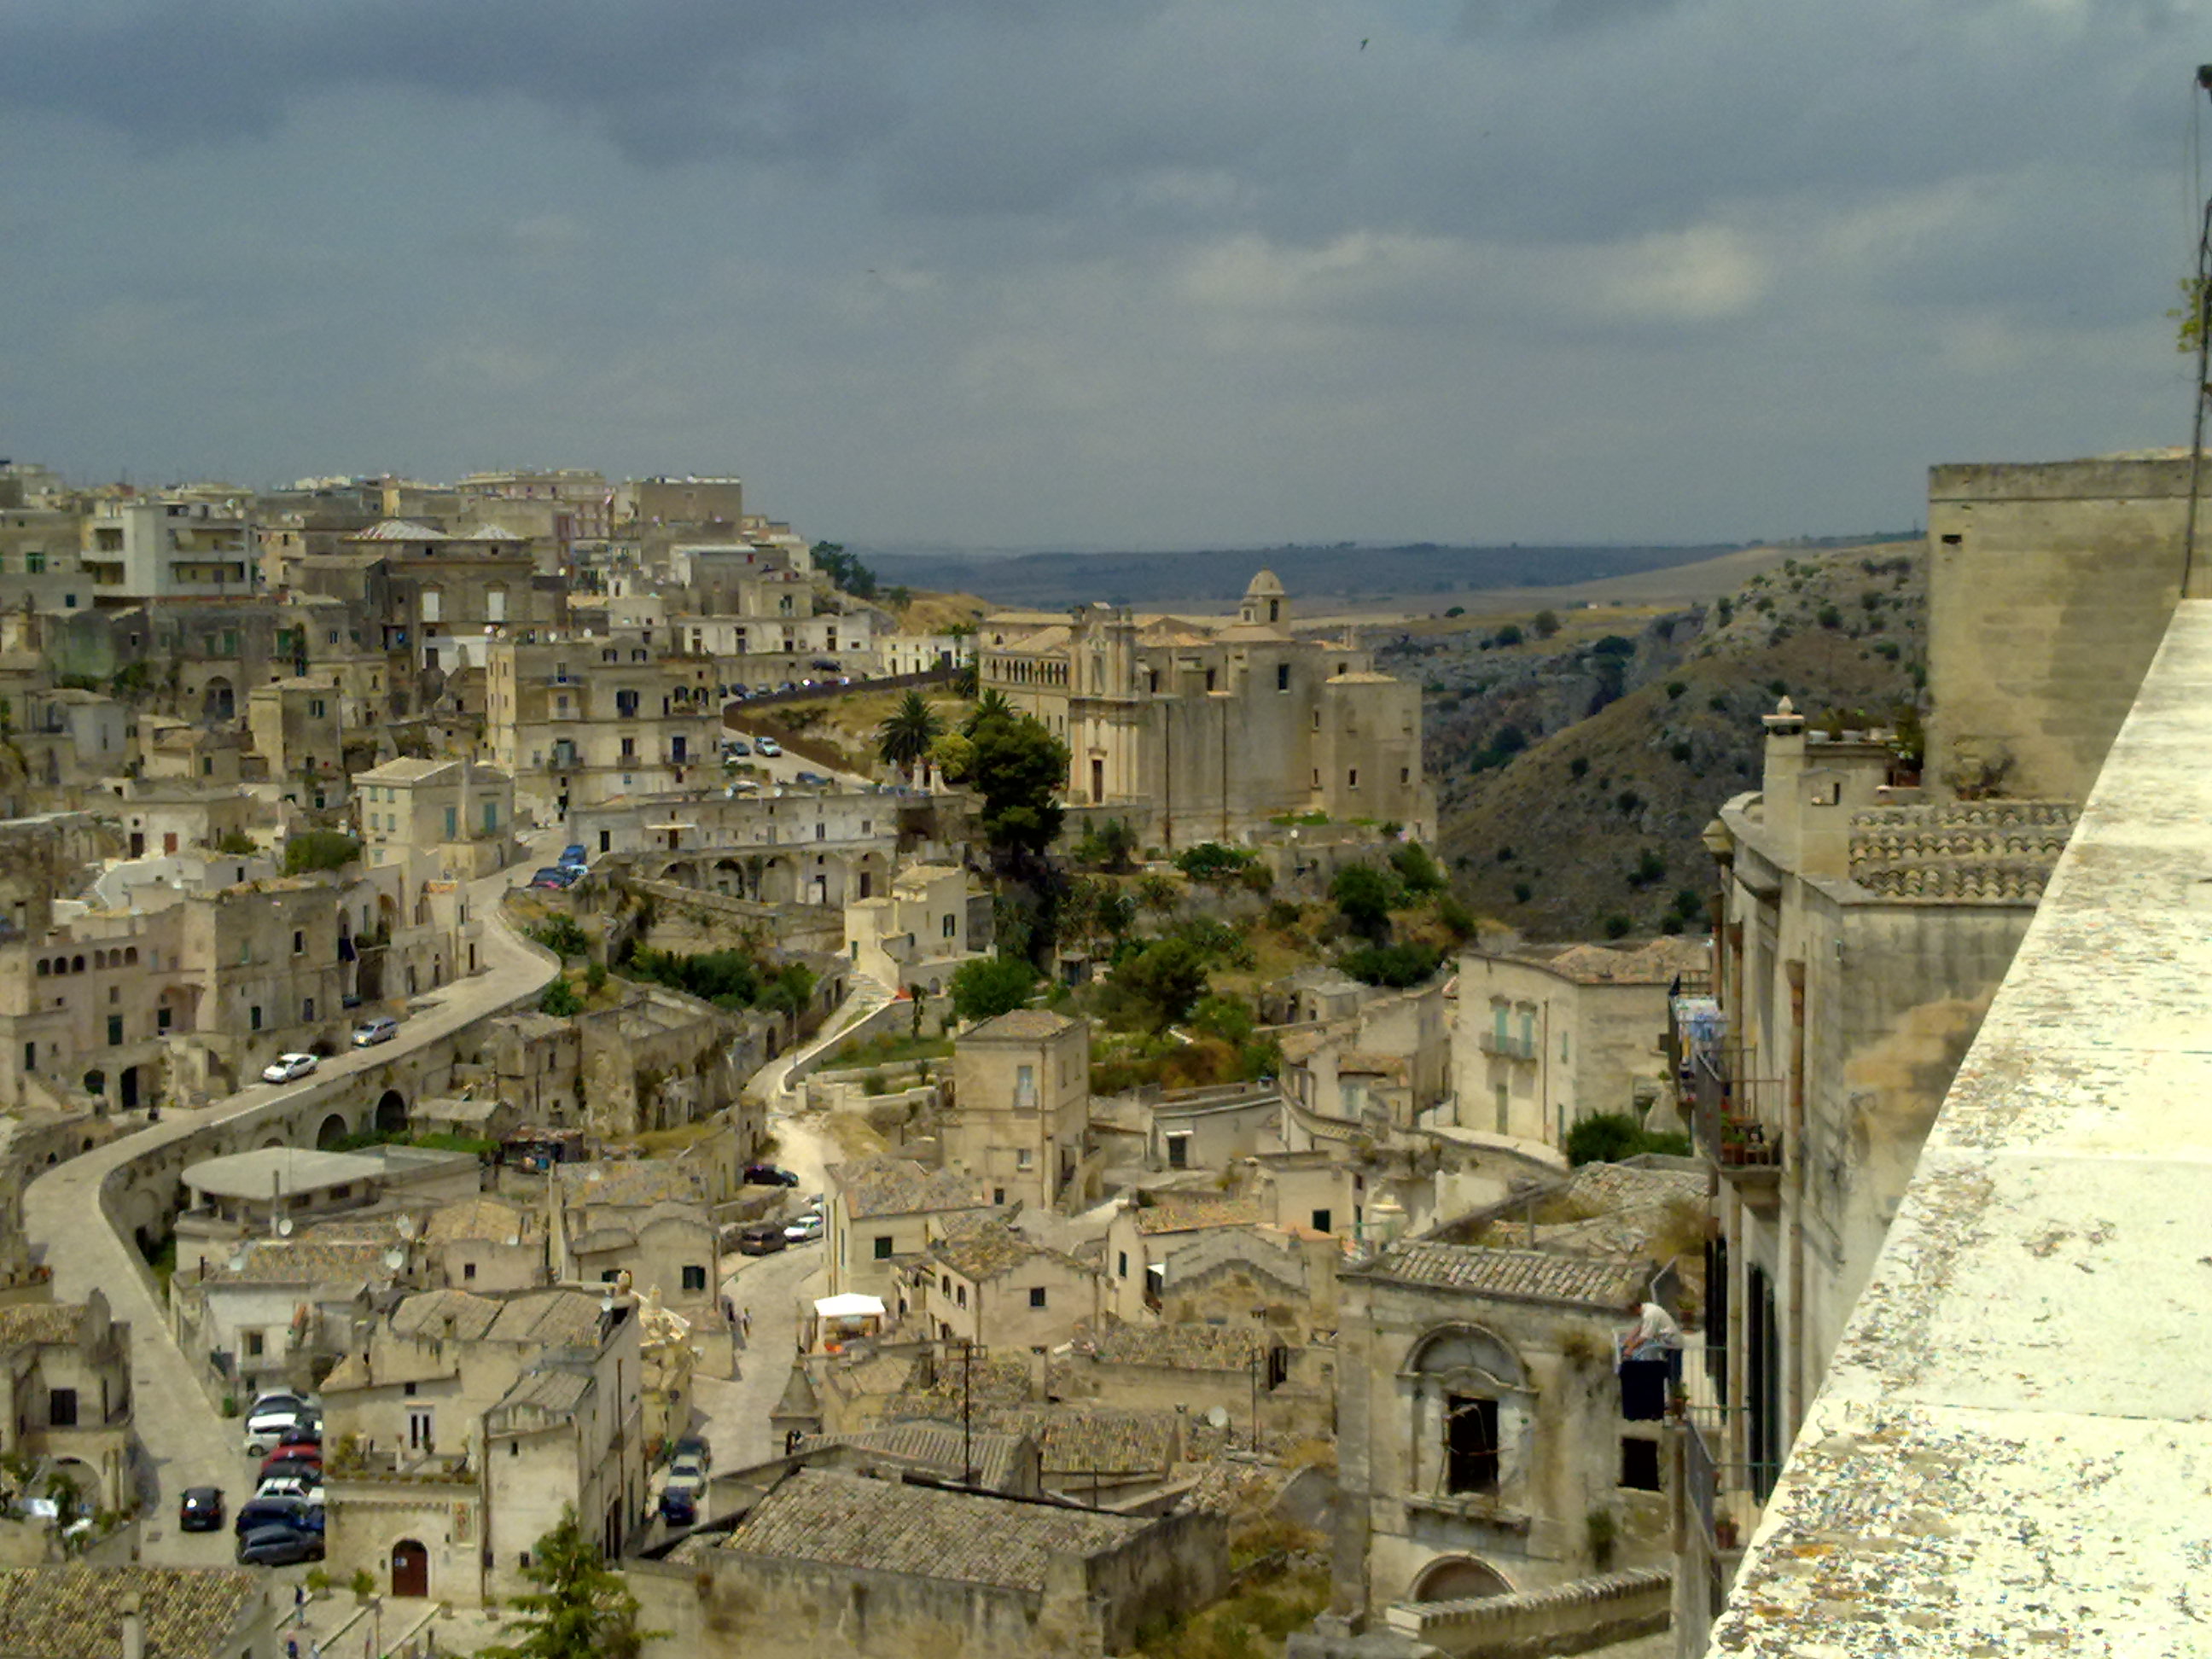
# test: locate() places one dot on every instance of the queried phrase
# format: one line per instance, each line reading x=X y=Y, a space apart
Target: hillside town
x=561 y=1040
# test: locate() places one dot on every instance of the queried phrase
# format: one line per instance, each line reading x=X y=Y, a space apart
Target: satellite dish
x=283 y=1226
x=514 y=1241
x=237 y=1262
x=404 y=1226
x=395 y=1259
x=1216 y=1419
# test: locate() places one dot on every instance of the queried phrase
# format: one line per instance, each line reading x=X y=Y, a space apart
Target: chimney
x=1783 y=784
x=134 y=1628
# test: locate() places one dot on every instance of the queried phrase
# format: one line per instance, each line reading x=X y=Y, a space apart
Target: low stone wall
x=792 y=926
x=1590 y=1612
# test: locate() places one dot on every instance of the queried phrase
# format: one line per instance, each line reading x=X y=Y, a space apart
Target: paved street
x=185 y=1442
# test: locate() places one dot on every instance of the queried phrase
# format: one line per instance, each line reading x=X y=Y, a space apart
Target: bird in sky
x=1362 y=44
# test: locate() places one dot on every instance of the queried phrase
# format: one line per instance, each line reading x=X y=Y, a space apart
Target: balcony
x=1735 y=1116
x=1506 y=1046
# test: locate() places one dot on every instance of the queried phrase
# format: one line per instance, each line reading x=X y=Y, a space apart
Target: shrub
x=1211 y=861
x=1829 y=618
x=1609 y=1137
x=991 y=986
x=237 y=844
x=1690 y=901
x=1724 y=609
x=318 y=849
x=560 y=1000
x=1628 y=801
x=1649 y=868
x=1778 y=688
x=1394 y=965
x=1717 y=703
x=1508 y=634
x=1523 y=892
x=1681 y=751
x=1454 y=918
x=1161 y=982
x=1417 y=870
x=1616 y=926
x=1456 y=611
x=1579 y=766
x=1613 y=645
x=1282 y=914
x=1545 y=624
x=1674 y=689
x=1365 y=894
x=561 y=936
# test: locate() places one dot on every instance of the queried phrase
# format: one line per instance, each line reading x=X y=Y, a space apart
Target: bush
x=1674 y=689
x=1717 y=703
x=1613 y=645
x=1161 y=983
x=1394 y=965
x=1649 y=868
x=561 y=936
x=1609 y=1137
x=318 y=849
x=1282 y=914
x=1211 y=861
x=1829 y=618
x=560 y=1000
x=1508 y=634
x=1681 y=751
x=1545 y=624
x=1523 y=892
x=1628 y=801
x=1454 y=918
x=236 y=843
x=1364 y=896
x=1417 y=870
x=1690 y=901
x=991 y=986
x=728 y=979
x=1579 y=766
x=1616 y=926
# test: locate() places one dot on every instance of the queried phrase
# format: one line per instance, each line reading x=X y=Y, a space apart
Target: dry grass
x=928 y=612
x=854 y=1135
x=666 y=1143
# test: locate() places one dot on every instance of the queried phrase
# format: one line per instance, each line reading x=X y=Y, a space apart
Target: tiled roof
x=1994 y=852
x=478 y=1218
x=1659 y=963
x=77 y=1613
x=294 y=1262
x=1617 y=1185
x=936 y=1448
x=899 y=1186
x=1021 y=1026
x=997 y=1379
x=398 y=530
x=1077 y=1440
x=32 y=1322
x=1174 y=1213
x=1183 y=1345
x=982 y=1247
x=1517 y=1275
x=631 y=1182
x=881 y=1526
x=553 y=1392
x=556 y=1316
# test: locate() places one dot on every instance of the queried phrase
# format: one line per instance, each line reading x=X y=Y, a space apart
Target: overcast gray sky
x=1130 y=272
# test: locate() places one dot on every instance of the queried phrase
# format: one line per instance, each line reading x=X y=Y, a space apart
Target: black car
x=200 y=1509
x=766 y=1175
x=279 y=1546
x=764 y=1240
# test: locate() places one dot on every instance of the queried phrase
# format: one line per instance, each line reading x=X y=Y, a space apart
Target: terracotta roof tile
x=1516 y=1275
x=77 y=1611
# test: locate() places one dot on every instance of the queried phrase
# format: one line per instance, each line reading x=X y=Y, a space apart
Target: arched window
x=1471 y=1411
x=77 y=964
x=44 y=967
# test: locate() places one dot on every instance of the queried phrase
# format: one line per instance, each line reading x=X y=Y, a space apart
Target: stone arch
x=219 y=699
x=410 y=1568
x=390 y=1112
x=684 y=872
x=1454 y=1351
x=729 y=877
x=77 y=964
x=273 y=1142
x=334 y=1129
x=95 y=1082
x=1470 y=1413
x=1458 y=1579
x=779 y=882
x=99 y=961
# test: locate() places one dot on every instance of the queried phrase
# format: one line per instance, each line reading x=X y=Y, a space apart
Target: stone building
x=278 y=1313
x=831 y=1566
x=1479 y=1420
x=1206 y=732
x=881 y=1216
x=450 y=592
x=1864 y=930
x=460 y=811
x=1022 y=1106
x=1544 y=1035
x=170 y=547
x=649 y=1218
x=916 y=935
x=983 y=1282
x=66 y=1367
x=464 y=1423
x=578 y=721
x=830 y=849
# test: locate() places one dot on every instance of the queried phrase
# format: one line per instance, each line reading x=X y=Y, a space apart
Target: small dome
x=1264 y=586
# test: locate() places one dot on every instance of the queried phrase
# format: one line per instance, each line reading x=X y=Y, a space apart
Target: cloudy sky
x=1119 y=272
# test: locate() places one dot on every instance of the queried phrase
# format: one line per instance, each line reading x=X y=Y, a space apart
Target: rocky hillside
x=1575 y=774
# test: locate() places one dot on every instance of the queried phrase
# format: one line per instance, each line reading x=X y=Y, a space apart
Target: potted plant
x=362 y=1583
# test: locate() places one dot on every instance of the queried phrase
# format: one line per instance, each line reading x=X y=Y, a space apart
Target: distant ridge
x=1052 y=581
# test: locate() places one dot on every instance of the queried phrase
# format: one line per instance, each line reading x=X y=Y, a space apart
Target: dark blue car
x=572 y=858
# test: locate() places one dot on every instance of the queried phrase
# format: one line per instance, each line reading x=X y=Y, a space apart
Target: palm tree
x=992 y=705
x=905 y=736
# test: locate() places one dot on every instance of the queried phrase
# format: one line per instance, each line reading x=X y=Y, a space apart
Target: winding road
x=185 y=1442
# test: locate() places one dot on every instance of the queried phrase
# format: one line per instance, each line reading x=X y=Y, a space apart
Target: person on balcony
x=1657 y=1336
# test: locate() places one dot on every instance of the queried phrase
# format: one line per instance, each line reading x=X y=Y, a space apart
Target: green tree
x=790 y=991
x=990 y=706
x=845 y=570
x=991 y=986
x=1396 y=965
x=1019 y=768
x=905 y=738
x=581 y=1609
x=1163 y=981
x=1159 y=892
x=1417 y=870
x=318 y=849
x=1363 y=896
x=560 y=1000
x=1211 y=861
x=953 y=756
x=1108 y=846
x=1545 y=624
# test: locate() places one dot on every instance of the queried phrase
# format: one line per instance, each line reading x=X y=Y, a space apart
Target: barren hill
x=1574 y=783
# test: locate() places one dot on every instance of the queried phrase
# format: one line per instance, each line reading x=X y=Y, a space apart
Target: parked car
x=295 y=1448
x=370 y=1032
x=736 y=746
x=766 y=1175
x=291 y=1468
x=804 y=1230
x=266 y=1426
x=695 y=1447
x=200 y=1509
x=679 y=1500
x=557 y=879
x=829 y=663
x=572 y=857
x=285 y=1068
x=258 y=1512
x=763 y=1240
x=309 y=1492
x=768 y=746
x=813 y=780
x=278 y=1546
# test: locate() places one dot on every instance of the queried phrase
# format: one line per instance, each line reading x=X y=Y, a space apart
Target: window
x=306 y=1008
x=163 y=1016
x=960 y=1295
x=61 y=1407
x=255 y=1344
x=1321 y=1220
x=1405 y=775
x=1282 y=677
x=1470 y=1444
x=1351 y=778
x=695 y=1277
x=1023 y=1155
x=468 y=1270
x=254 y=1016
x=998 y=1195
x=950 y=926
x=610 y=1275
x=1036 y=1295
x=299 y=941
x=114 y=1030
x=1179 y=1150
x=883 y=1247
x=315 y=709
x=1121 y=1265
x=1639 y=1463
x=453 y=822
x=419 y=1436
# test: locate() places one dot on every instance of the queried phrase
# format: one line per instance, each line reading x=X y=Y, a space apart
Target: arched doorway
x=221 y=699
x=391 y=1113
x=332 y=1132
x=95 y=1082
x=129 y=1082
x=1458 y=1579
x=410 y=1568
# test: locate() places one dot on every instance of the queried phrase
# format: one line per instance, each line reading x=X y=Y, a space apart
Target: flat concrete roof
x=285 y=1169
x=2012 y=1450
